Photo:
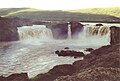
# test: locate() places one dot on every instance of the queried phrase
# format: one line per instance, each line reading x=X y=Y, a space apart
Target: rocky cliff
x=8 y=27
x=8 y=32
x=115 y=35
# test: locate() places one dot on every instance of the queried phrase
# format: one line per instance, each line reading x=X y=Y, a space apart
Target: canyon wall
x=115 y=35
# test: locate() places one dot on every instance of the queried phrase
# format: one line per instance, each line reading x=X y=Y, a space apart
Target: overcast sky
x=58 y=4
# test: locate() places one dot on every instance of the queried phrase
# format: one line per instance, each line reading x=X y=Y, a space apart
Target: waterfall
x=101 y=31
x=69 y=31
x=94 y=35
x=39 y=32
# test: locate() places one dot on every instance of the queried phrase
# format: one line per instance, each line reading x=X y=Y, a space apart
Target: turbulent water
x=34 y=53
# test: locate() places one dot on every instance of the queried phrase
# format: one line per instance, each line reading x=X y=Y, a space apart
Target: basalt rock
x=99 y=24
x=69 y=53
x=8 y=32
x=106 y=56
x=15 y=77
x=76 y=28
x=94 y=74
x=60 y=30
x=89 y=49
x=66 y=48
x=54 y=73
x=115 y=35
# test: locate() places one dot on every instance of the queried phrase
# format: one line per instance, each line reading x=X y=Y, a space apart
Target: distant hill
x=113 y=11
x=78 y=15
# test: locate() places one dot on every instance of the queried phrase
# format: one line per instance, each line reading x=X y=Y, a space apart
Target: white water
x=34 y=53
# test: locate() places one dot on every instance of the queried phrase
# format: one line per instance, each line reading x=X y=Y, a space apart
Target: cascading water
x=17 y=57
x=69 y=32
x=94 y=35
x=34 y=32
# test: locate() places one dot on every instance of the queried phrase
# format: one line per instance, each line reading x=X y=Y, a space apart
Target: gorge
x=29 y=48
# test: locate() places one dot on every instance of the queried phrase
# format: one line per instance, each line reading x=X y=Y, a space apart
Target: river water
x=34 y=53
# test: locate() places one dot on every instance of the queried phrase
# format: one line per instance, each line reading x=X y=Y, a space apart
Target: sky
x=58 y=4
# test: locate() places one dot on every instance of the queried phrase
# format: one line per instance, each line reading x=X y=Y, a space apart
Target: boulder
x=15 y=77
x=69 y=53
x=65 y=69
x=115 y=35
x=55 y=72
x=89 y=49
x=99 y=24
x=66 y=48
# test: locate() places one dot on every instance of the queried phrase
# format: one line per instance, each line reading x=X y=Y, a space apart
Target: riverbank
x=103 y=62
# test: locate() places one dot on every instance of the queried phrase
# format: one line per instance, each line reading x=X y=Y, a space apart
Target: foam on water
x=34 y=53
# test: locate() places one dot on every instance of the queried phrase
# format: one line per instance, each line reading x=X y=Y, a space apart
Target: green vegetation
x=96 y=14
x=113 y=11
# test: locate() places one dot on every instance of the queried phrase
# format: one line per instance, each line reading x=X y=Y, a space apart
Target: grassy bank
x=98 y=15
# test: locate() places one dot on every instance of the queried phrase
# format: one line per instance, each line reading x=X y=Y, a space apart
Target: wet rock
x=76 y=28
x=8 y=32
x=115 y=35
x=60 y=30
x=99 y=24
x=15 y=77
x=56 y=52
x=66 y=48
x=70 y=53
x=89 y=49
x=54 y=73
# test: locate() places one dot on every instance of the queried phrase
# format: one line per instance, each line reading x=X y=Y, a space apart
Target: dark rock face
x=54 y=73
x=70 y=53
x=8 y=32
x=99 y=24
x=106 y=56
x=60 y=70
x=76 y=27
x=8 y=27
x=60 y=30
x=15 y=77
x=89 y=49
x=115 y=35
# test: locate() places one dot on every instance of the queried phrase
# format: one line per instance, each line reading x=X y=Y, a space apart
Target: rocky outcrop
x=60 y=30
x=8 y=27
x=115 y=35
x=54 y=73
x=94 y=74
x=8 y=32
x=15 y=77
x=71 y=53
x=76 y=27
x=99 y=24
x=102 y=64
x=89 y=49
